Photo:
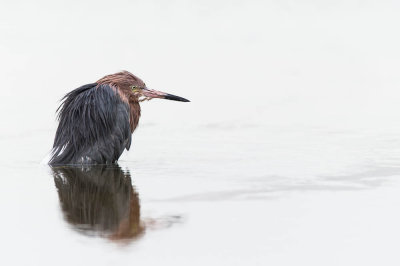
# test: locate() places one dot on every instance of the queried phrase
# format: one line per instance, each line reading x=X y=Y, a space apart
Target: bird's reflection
x=99 y=200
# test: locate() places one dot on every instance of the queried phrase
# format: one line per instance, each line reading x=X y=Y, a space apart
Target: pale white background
x=288 y=153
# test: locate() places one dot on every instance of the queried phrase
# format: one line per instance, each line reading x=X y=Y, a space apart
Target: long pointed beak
x=162 y=95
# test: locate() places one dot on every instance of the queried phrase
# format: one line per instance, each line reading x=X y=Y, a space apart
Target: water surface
x=288 y=152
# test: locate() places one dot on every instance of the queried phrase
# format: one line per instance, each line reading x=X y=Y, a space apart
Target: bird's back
x=93 y=127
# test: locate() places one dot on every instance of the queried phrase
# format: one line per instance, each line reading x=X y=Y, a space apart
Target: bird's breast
x=134 y=114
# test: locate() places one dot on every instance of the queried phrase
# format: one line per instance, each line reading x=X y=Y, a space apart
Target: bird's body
x=96 y=121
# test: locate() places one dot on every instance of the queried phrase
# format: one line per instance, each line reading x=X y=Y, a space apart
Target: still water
x=287 y=154
x=312 y=194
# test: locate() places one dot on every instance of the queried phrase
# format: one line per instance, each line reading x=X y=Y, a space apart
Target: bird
x=96 y=120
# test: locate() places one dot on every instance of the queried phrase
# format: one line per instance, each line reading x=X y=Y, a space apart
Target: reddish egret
x=96 y=121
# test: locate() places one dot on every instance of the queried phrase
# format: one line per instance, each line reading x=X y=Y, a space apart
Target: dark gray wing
x=93 y=127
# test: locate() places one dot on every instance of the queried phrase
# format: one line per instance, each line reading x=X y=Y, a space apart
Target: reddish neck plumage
x=121 y=82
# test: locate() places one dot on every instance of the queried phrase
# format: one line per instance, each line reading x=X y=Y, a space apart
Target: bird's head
x=133 y=85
